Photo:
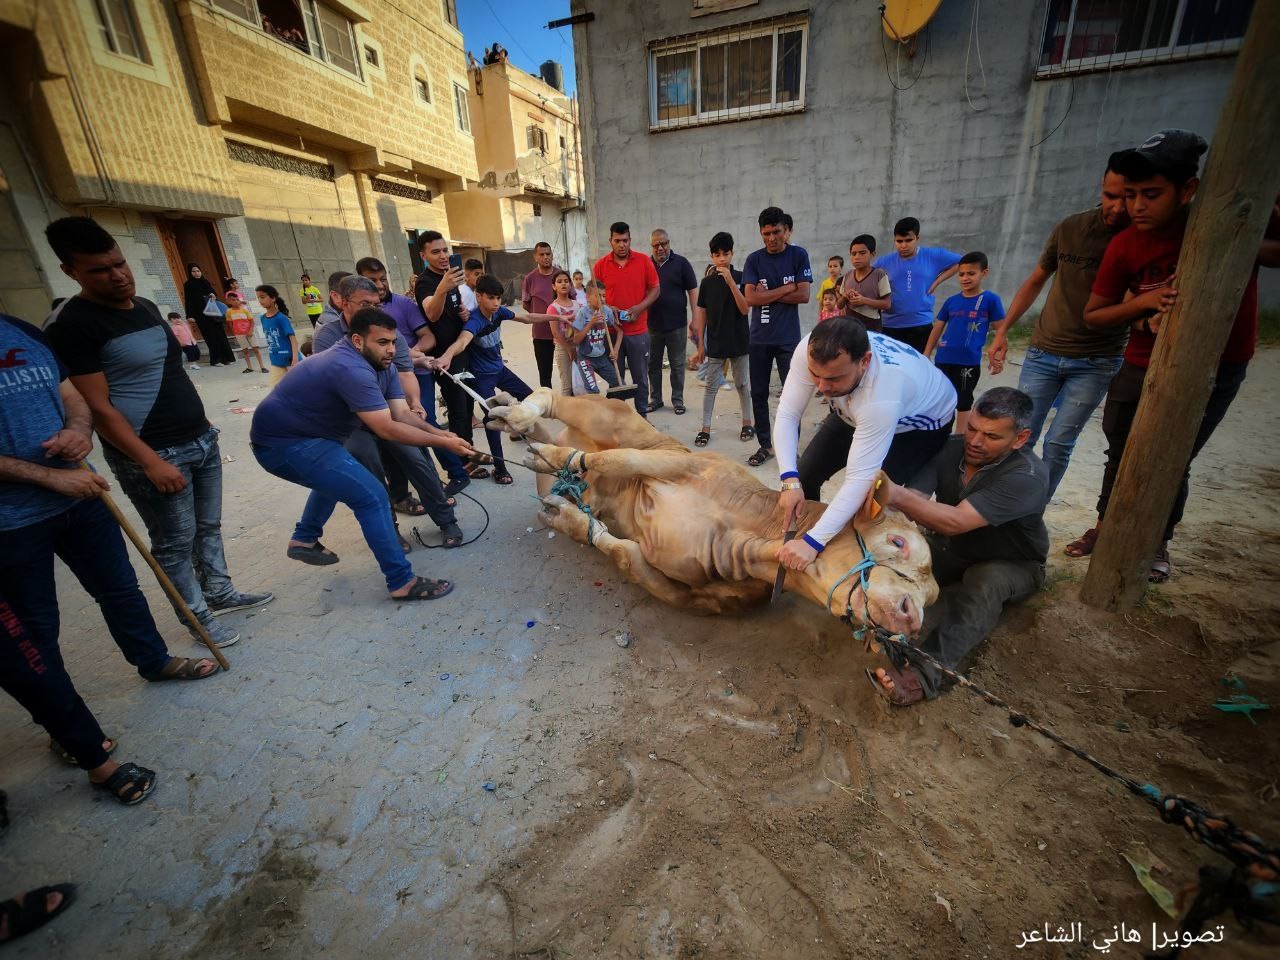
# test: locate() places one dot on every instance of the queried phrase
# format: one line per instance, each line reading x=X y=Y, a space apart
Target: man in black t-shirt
x=721 y=329
x=989 y=541
x=436 y=292
x=126 y=362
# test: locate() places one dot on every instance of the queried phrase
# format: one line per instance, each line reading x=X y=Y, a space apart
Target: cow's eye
x=898 y=542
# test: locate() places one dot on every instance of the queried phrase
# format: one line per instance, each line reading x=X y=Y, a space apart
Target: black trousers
x=917 y=336
x=1121 y=408
x=544 y=353
x=762 y=358
x=828 y=453
x=32 y=672
x=969 y=606
x=460 y=407
x=215 y=339
x=374 y=453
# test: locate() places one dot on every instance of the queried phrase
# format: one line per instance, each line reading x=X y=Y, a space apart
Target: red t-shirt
x=1141 y=260
x=626 y=285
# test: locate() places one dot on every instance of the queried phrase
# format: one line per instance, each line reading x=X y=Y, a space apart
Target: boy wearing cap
x=1160 y=182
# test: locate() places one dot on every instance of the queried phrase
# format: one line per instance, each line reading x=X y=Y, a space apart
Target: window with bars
x=756 y=69
x=536 y=138
x=371 y=55
x=1085 y=35
x=421 y=88
x=460 y=109
x=120 y=30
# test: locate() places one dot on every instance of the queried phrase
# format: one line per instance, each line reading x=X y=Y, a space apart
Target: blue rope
x=859 y=570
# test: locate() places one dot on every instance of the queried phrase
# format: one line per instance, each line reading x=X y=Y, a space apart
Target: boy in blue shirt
x=482 y=333
x=960 y=332
x=914 y=273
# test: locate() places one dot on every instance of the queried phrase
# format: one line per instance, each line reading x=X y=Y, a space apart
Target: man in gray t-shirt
x=989 y=542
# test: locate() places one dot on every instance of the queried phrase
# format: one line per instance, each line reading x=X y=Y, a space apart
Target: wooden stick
x=165 y=583
x=1228 y=220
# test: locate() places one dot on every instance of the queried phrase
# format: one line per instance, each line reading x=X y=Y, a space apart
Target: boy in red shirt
x=1160 y=182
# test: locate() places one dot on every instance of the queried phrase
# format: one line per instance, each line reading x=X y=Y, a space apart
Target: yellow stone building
x=258 y=138
x=528 y=154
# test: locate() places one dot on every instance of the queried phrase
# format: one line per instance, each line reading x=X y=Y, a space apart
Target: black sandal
x=702 y=439
x=31 y=914
x=678 y=409
x=318 y=555
x=452 y=536
x=477 y=472
x=747 y=434
x=130 y=784
x=502 y=477
x=424 y=589
x=760 y=456
x=69 y=760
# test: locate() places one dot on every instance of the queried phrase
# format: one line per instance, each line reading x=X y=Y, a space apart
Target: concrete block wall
x=985 y=164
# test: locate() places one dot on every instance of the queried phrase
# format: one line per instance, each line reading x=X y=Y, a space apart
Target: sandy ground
x=724 y=787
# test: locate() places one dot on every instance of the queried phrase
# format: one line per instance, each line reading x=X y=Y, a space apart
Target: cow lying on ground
x=696 y=529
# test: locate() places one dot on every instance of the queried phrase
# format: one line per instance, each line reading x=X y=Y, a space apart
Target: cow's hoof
x=543 y=458
x=565 y=516
x=514 y=417
x=504 y=399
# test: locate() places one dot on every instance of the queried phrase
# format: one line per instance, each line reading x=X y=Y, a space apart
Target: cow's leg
x=609 y=423
x=620 y=464
x=565 y=516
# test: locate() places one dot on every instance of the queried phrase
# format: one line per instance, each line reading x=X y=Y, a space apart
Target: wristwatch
x=791 y=484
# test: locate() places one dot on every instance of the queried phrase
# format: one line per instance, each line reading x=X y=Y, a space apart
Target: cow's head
x=900 y=584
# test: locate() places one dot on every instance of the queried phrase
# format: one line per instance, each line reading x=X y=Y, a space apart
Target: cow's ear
x=872 y=508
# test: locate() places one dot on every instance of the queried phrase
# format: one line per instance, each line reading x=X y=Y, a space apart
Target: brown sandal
x=1084 y=546
x=424 y=589
x=185 y=668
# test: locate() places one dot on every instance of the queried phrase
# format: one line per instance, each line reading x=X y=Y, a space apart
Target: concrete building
x=990 y=125
x=258 y=138
x=528 y=155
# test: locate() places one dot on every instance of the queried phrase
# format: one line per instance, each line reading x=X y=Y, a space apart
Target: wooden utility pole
x=1228 y=219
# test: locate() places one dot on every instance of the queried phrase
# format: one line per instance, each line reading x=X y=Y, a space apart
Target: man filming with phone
x=438 y=295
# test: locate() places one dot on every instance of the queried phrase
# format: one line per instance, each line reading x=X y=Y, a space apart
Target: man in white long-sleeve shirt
x=891 y=409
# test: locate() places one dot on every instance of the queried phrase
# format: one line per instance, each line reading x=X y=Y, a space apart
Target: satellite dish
x=903 y=19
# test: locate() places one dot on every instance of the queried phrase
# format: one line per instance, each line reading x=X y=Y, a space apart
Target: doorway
x=194 y=241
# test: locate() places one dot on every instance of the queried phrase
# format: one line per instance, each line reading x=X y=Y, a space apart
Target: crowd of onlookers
x=351 y=413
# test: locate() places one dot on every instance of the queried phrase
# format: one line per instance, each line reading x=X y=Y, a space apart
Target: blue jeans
x=1078 y=384
x=185 y=527
x=88 y=540
x=333 y=475
x=487 y=384
x=451 y=462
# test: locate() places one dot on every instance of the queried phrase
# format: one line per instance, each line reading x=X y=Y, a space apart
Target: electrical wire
x=924 y=63
x=1070 y=102
x=440 y=546
x=511 y=35
x=974 y=43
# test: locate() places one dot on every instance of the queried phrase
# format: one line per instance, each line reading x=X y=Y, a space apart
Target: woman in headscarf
x=197 y=293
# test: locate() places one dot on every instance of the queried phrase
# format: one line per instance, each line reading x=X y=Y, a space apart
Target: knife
x=782 y=571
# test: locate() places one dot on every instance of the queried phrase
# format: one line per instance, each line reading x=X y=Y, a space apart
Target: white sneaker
x=726 y=385
x=193 y=366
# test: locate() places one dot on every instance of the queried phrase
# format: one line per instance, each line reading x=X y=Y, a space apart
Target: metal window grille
x=537 y=209
x=120 y=28
x=262 y=157
x=1086 y=35
x=749 y=71
x=390 y=187
x=536 y=138
x=422 y=88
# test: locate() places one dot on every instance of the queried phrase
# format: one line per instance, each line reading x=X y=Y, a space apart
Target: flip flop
x=747 y=434
x=424 y=589
x=1161 y=567
x=476 y=472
